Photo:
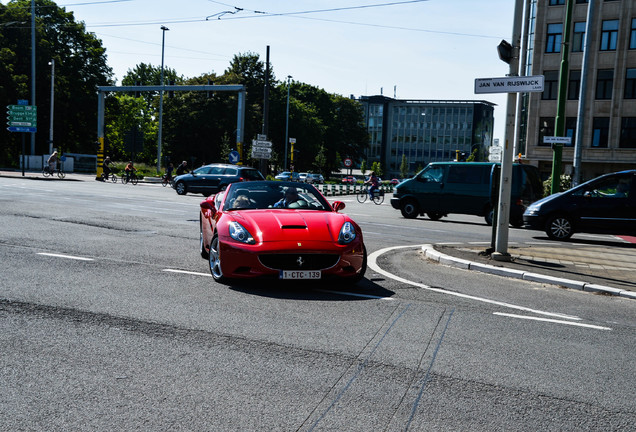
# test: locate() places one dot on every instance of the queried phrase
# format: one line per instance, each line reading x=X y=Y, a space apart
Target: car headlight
x=240 y=234
x=347 y=233
x=532 y=209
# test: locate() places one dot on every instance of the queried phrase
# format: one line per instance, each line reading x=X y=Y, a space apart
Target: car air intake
x=299 y=261
x=294 y=227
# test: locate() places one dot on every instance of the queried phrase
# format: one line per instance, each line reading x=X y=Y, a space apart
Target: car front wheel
x=215 y=260
x=559 y=227
x=181 y=188
x=410 y=209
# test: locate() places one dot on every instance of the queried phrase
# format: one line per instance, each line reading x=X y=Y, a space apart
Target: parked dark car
x=606 y=204
x=210 y=179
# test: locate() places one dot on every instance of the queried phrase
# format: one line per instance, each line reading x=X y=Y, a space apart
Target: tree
x=376 y=167
x=404 y=167
x=363 y=166
x=80 y=66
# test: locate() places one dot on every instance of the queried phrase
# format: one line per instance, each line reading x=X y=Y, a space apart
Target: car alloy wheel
x=181 y=188
x=215 y=260
x=559 y=228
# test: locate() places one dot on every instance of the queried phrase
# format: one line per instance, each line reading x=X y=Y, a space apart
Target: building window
x=574 y=85
x=557 y=2
x=609 y=35
x=628 y=132
x=632 y=35
x=630 y=84
x=553 y=40
x=581 y=1
x=570 y=130
x=600 y=132
x=604 y=83
x=546 y=128
x=578 y=37
x=550 y=85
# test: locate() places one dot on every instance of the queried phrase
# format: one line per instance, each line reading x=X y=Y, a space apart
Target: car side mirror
x=338 y=205
x=209 y=206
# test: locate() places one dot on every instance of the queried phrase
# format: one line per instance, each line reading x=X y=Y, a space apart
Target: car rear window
x=230 y=171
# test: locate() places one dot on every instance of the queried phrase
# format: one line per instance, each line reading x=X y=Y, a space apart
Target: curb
x=434 y=255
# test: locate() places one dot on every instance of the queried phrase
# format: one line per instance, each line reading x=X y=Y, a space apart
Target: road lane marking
x=355 y=294
x=66 y=256
x=372 y=264
x=187 y=272
x=551 y=321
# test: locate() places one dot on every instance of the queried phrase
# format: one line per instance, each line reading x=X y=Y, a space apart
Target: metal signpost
x=261 y=149
x=510 y=85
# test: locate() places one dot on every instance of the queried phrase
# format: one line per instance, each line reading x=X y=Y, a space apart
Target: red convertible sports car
x=284 y=230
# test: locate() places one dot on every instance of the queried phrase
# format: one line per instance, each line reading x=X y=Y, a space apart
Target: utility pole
x=52 y=104
x=163 y=42
x=33 y=68
x=265 y=130
x=580 y=122
x=505 y=184
x=559 y=122
x=289 y=77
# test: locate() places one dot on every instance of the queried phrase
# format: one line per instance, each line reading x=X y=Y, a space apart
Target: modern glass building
x=425 y=131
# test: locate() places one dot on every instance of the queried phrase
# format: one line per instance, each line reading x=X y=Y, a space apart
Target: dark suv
x=210 y=179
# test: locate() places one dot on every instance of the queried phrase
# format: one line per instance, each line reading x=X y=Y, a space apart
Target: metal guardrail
x=339 y=189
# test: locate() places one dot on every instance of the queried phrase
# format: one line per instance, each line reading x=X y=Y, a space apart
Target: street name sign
x=516 y=84
x=557 y=140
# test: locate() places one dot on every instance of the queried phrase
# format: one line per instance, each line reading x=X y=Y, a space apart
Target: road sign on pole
x=22 y=118
x=513 y=84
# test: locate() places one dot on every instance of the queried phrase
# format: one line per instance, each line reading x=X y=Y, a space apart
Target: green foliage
x=376 y=167
x=80 y=66
x=565 y=184
x=404 y=167
x=320 y=163
x=474 y=156
x=363 y=167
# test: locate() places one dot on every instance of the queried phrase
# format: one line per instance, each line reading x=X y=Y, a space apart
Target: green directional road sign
x=21 y=117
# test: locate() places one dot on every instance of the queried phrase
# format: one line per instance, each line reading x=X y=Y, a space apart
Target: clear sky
x=426 y=49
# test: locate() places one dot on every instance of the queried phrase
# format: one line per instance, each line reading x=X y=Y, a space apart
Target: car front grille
x=299 y=261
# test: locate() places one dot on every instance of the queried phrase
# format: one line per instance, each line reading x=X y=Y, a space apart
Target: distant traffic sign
x=348 y=162
x=22 y=129
x=557 y=140
x=519 y=84
x=263 y=144
x=22 y=118
x=234 y=157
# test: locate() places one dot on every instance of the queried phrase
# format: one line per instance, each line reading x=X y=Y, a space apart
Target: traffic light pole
x=505 y=184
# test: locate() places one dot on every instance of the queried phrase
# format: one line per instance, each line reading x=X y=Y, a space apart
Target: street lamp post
x=289 y=77
x=163 y=43
x=52 y=63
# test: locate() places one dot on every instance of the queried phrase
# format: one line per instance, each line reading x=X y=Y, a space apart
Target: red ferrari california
x=283 y=230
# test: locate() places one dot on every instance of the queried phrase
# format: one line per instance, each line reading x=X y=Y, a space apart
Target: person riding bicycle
x=169 y=170
x=130 y=169
x=183 y=168
x=52 y=161
x=106 y=167
x=374 y=183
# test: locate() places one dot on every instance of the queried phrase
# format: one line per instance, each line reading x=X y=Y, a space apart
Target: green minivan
x=443 y=188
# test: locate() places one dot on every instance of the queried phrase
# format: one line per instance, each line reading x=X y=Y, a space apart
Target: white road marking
x=66 y=256
x=372 y=264
x=355 y=294
x=552 y=321
x=187 y=272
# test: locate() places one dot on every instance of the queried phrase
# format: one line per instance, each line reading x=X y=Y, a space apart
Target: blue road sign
x=22 y=129
x=234 y=157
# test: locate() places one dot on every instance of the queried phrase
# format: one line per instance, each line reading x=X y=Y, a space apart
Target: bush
x=566 y=183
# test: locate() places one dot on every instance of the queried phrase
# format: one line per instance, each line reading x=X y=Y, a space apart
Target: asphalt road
x=109 y=321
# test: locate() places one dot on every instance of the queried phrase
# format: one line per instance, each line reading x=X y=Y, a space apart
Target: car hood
x=549 y=198
x=285 y=225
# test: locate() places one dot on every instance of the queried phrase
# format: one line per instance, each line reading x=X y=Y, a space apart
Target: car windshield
x=274 y=195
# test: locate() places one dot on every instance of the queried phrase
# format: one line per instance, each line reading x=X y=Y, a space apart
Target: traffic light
x=505 y=51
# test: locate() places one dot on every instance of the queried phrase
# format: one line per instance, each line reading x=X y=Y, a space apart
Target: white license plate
x=298 y=274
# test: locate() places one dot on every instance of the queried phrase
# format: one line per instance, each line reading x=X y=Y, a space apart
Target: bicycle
x=378 y=196
x=48 y=172
x=112 y=177
x=132 y=179
x=165 y=181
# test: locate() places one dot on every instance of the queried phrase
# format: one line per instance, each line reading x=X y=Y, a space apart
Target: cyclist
x=106 y=167
x=183 y=168
x=52 y=161
x=374 y=184
x=130 y=169
x=169 y=171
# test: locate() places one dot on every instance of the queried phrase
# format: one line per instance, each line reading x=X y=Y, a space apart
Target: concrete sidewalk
x=595 y=266
x=37 y=175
